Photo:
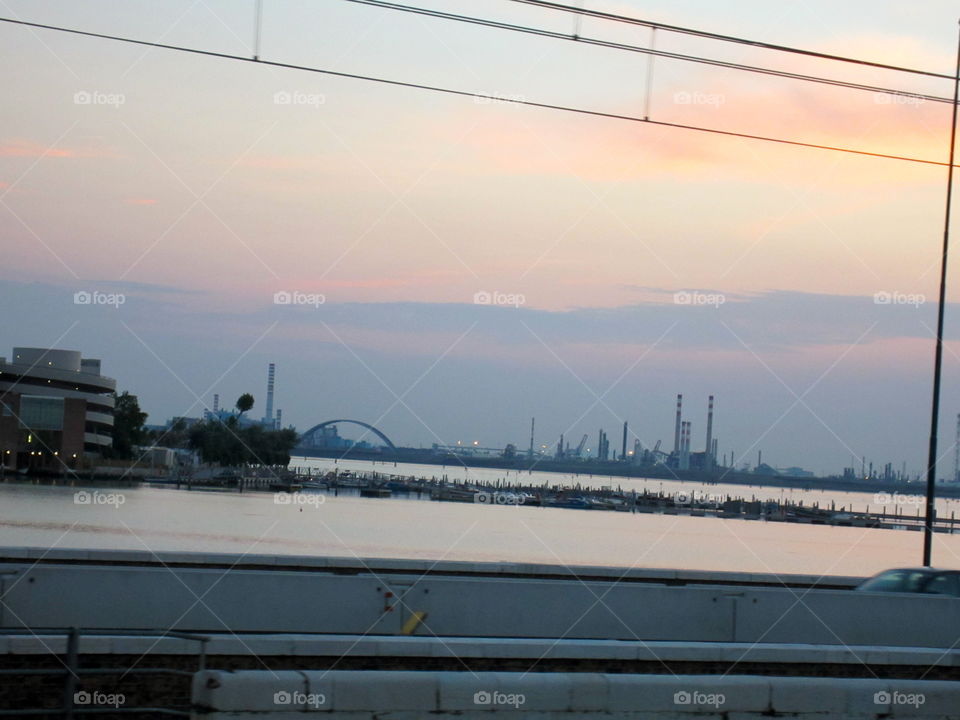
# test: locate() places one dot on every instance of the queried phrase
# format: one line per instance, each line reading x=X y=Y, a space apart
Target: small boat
x=375 y=492
x=573 y=503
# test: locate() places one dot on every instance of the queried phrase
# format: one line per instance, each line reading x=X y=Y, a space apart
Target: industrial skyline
x=481 y=262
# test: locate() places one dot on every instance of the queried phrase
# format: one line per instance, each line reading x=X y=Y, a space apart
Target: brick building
x=55 y=407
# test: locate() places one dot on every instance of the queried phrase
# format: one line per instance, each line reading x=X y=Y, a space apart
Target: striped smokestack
x=676 y=431
x=271 y=372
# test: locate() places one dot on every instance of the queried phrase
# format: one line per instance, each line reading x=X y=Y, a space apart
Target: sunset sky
x=188 y=185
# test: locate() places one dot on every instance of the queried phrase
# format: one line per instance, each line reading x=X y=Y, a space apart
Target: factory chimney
x=623 y=449
x=216 y=403
x=271 y=373
x=676 y=431
x=708 y=450
x=533 y=420
x=277 y=425
x=685 y=445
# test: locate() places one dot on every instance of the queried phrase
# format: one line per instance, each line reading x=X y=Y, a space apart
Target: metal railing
x=76 y=702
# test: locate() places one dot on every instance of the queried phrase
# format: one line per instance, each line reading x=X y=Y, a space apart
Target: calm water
x=161 y=519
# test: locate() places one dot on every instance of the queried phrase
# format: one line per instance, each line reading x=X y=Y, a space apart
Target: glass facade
x=41 y=413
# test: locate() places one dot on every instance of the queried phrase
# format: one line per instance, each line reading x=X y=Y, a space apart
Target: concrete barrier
x=98 y=593
x=366 y=694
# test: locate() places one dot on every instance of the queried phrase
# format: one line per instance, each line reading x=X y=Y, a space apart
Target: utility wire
x=726 y=38
x=470 y=94
x=499 y=25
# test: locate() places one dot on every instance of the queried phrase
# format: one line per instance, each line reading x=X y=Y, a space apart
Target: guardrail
x=80 y=702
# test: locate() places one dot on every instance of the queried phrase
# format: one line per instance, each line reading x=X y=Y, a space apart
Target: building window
x=41 y=413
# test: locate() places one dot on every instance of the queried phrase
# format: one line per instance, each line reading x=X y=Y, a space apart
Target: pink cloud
x=32 y=149
x=29 y=148
x=140 y=201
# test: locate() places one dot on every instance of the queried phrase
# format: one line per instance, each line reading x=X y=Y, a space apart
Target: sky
x=456 y=266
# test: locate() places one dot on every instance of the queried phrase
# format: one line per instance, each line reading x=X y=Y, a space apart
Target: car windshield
x=897 y=581
x=944 y=584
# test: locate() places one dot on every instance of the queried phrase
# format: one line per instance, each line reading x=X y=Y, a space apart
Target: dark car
x=914 y=580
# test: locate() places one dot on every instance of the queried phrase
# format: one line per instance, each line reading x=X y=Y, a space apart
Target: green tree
x=244 y=402
x=128 y=420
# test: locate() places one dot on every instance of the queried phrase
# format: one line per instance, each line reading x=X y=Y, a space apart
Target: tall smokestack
x=532 y=422
x=623 y=449
x=216 y=403
x=676 y=431
x=277 y=424
x=708 y=450
x=271 y=373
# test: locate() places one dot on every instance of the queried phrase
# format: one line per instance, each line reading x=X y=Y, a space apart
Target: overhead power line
x=583 y=40
x=470 y=94
x=613 y=17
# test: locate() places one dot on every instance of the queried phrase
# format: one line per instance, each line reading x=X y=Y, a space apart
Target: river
x=166 y=519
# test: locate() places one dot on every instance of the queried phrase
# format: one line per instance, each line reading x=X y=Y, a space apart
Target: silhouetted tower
x=708 y=456
x=677 y=428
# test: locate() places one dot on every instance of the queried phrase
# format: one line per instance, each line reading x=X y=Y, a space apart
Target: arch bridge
x=309 y=433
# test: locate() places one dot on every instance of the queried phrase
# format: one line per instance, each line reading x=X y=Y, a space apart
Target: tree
x=128 y=422
x=229 y=444
x=244 y=402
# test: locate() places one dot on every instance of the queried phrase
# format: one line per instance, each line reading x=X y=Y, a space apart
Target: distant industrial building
x=55 y=407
